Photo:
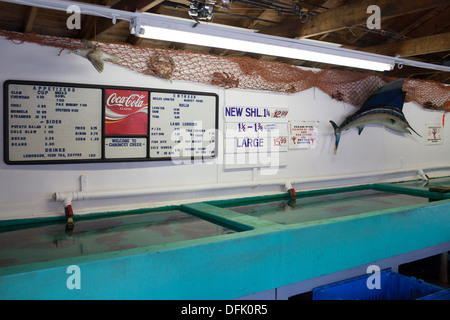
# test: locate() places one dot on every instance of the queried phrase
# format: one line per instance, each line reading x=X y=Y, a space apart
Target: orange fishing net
x=247 y=73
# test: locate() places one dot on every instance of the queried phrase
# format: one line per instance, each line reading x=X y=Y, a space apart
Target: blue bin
x=393 y=286
x=441 y=295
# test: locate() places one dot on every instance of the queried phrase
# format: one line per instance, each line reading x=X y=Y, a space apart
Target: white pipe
x=106 y=194
x=422 y=174
x=68 y=197
x=418 y=64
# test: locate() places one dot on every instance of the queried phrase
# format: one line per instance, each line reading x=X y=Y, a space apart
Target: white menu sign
x=125 y=147
x=53 y=123
x=244 y=137
x=182 y=125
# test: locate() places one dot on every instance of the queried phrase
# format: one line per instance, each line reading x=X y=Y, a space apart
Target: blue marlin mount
x=384 y=108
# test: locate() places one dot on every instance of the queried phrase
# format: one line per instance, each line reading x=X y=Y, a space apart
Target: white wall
x=26 y=191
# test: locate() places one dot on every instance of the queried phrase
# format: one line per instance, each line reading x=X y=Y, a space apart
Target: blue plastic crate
x=393 y=286
x=441 y=295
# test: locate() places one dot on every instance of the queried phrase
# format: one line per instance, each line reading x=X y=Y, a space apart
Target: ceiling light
x=171 y=29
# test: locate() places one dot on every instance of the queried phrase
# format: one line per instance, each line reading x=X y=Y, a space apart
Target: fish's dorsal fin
x=360 y=129
x=391 y=95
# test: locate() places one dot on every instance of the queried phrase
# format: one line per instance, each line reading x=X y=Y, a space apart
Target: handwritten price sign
x=280 y=113
x=280 y=141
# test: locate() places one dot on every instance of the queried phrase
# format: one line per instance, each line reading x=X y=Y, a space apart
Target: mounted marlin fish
x=384 y=108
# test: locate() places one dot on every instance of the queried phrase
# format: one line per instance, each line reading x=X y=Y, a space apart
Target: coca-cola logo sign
x=126 y=112
x=131 y=101
x=126 y=101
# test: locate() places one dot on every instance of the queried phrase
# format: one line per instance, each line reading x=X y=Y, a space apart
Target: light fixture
x=201 y=11
x=171 y=29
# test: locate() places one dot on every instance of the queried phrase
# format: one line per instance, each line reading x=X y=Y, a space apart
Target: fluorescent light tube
x=294 y=49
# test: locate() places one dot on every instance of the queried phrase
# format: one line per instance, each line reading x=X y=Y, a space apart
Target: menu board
x=60 y=123
x=182 y=125
x=53 y=123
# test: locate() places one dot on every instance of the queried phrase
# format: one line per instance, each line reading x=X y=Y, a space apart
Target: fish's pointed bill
x=414 y=131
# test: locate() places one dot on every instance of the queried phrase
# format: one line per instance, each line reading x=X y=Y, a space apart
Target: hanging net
x=248 y=73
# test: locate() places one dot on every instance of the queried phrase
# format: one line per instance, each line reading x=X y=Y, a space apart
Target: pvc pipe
x=93 y=195
x=422 y=175
x=68 y=197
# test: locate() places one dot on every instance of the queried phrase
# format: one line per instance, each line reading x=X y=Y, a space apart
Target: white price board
x=244 y=137
x=48 y=123
x=255 y=137
x=182 y=125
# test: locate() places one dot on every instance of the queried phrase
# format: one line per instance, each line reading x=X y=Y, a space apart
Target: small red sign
x=126 y=112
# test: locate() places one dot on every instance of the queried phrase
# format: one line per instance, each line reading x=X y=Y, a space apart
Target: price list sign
x=49 y=122
x=52 y=123
x=182 y=125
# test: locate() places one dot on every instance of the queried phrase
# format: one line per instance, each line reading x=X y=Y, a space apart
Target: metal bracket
x=136 y=27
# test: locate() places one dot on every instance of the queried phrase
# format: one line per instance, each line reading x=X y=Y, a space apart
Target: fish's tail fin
x=337 y=134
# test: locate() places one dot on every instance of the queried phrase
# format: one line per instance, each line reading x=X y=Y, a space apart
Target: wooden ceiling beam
x=435 y=24
x=418 y=22
x=348 y=16
x=136 y=5
x=265 y=15
x=29 y=20
x=88 y=22
x=446 y=79
x=413 y=47
x=355 y=14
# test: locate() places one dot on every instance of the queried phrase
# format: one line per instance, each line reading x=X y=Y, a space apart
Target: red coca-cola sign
x=126 y=112
x=125 y=103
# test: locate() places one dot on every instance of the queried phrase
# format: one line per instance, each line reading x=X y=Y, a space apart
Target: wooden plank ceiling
x=414 y=29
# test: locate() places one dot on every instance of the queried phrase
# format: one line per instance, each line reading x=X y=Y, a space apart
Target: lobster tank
x=201 y=238
x=194 y=246
x=53 y=240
